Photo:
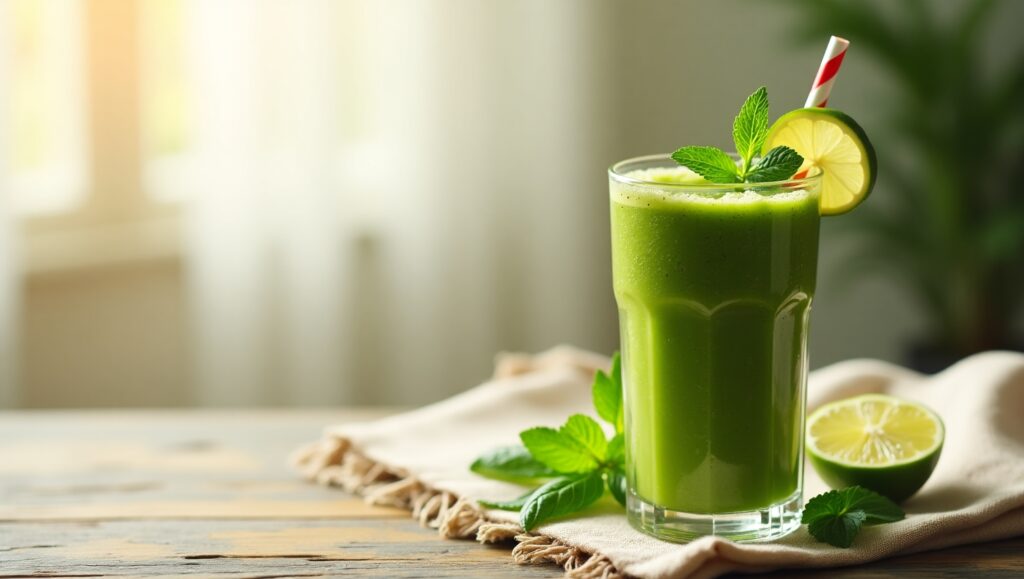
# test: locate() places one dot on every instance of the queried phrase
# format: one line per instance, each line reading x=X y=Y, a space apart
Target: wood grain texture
x=367 y=547
x=208 y=493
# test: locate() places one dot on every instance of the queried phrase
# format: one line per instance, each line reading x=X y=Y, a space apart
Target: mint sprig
x=749 y=131
x=578 y=457
x=836 y=517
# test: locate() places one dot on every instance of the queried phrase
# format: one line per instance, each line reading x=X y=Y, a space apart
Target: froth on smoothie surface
x=635 y=193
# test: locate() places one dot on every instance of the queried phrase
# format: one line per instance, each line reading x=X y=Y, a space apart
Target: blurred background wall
x=361 y=201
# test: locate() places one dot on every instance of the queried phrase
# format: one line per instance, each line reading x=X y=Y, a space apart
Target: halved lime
x=833 y=142
x=882 y=443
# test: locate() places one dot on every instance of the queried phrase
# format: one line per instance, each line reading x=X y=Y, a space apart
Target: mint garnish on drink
x=836 y=517
x=577 y=460
x=749 y=130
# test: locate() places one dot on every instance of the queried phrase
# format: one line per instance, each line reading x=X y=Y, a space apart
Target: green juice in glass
x=714 y=286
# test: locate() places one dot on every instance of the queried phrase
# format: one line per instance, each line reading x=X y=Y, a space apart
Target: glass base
x=765 y=524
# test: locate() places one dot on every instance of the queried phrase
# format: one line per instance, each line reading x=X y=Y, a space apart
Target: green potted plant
x=949 y=226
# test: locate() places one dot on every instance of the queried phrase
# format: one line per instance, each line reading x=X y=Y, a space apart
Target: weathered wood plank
x=85 y=466
x=338 y=508
x=371 y=547
x=365 y=547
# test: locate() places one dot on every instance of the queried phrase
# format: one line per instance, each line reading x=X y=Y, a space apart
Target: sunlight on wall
x=45 y=106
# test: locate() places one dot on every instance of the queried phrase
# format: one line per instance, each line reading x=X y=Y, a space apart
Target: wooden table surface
x=208 y=493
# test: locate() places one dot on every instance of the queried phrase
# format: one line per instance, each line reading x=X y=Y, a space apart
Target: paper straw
x=830 y=63
x=822 y=87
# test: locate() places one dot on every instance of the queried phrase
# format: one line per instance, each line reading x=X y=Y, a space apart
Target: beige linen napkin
x=419 y=460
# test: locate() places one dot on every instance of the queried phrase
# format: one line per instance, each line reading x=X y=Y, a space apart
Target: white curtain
x=9 y=298
x=9 y=286
x=388 y=192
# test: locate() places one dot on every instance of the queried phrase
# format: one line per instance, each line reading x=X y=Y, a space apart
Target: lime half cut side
x=833 y=142
x=882 y=443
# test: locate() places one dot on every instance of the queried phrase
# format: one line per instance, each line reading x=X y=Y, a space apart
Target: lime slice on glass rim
x=833 y=142
x=882 y=443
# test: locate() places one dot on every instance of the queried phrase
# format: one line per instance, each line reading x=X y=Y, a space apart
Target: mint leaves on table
x=836 y=517
x=577 y=459
x=749 y=130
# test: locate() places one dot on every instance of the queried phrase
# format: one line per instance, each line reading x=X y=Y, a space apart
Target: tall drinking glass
x=714 y=286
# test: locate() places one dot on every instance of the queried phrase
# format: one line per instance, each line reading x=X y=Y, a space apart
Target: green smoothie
x=714 y=288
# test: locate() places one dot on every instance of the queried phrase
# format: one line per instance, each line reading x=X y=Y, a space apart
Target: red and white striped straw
x=822 y=87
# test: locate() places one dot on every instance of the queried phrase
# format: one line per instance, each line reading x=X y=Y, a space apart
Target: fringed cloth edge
x=334 y=462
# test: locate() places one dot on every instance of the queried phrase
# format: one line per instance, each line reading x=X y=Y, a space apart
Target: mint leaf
x=607 y=397
x=513 y=505
x=835 y=517
x=617 y=451
x=616 y=481
x=879 y=509
x=511 y=463
x=561 y=497
x=607 y=394
x=709 y=162
x=778 y=164
x=616 y=377
x=557 y=450
x=750 y=127
x=837 y=530
x=587 y=432
x=615 y=474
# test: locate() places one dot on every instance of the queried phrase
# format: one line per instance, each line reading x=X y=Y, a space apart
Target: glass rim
x=615 y=172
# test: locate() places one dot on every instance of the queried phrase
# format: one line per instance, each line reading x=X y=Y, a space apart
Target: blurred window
x=100 y=140
x=45 y=150
x=95 y=106
x=166 y=100
x=46 y=108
